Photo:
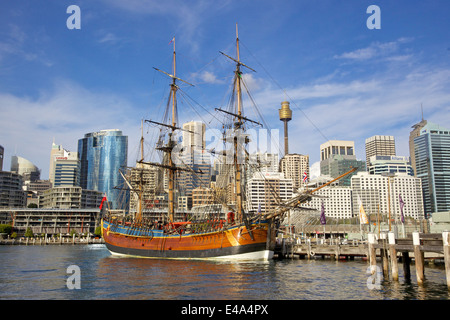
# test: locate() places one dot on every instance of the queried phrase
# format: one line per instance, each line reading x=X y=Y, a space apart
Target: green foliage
x=29 y=233
x=6 y=228
x=98 y=231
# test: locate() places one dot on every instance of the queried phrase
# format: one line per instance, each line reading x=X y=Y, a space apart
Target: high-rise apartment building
x=267 y=191
x=338 y=157
x=70 y=198
x=11 y=191
x=101 y=156
x=379 y=146
x=432 y=156
x=382 y=192
x=337 y=200
x=295 y=167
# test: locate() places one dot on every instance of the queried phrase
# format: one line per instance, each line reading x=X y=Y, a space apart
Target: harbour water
x=41 y=272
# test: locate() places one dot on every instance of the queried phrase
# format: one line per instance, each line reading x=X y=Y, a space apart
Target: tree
x=98 y=231
x=29 y=233
x=5 y=228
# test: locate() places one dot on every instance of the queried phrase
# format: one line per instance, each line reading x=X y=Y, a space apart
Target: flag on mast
x=323 y=220
x=305 y=177
x=173 y=39
x=402 y=204
x=103 y=200
x=363 y=219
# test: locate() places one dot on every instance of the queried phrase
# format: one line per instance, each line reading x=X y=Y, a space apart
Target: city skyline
x=343 y=80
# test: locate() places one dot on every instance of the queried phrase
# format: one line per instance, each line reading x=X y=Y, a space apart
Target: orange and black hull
x=232 y=243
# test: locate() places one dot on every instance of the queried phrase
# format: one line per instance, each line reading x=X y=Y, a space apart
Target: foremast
x=168 y=148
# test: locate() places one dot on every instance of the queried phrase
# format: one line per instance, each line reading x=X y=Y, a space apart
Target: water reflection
x=40 y=272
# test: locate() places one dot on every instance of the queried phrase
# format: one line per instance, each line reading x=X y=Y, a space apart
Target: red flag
x=103 y=200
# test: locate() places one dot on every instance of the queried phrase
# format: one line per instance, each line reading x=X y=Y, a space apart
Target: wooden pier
x=385 y=248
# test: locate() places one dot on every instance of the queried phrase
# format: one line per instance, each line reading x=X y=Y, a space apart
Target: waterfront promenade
x=52 y=241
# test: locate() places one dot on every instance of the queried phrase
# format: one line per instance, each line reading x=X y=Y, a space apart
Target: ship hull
x=232 y=244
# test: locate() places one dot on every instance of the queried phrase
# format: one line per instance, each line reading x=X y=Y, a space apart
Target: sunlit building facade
x=101 y=155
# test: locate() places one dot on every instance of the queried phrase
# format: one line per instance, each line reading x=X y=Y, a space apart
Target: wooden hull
x=234 y=243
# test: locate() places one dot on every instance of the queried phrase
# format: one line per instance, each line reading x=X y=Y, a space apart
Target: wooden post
x=446 y=240
x=418 y=256
x=308 y=241
x=406 y=265
x=384 y=255
x=372 y=252
x=393 y=256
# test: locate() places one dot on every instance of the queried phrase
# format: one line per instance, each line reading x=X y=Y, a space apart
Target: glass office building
x=432 y=154
x=101 y=155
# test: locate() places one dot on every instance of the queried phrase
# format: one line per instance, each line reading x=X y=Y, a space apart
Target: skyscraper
x=2 y=152
x=194 y=157
x=295 y=167
x=337 y=157
x=379 y=146
x=413 y=134
x=432 y=158
x=64 y=167
x=101 y=156
x=25 y=168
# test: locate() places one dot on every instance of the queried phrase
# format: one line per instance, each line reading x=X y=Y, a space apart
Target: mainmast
x=174 y=88
x=238 y=139
x=238 y=127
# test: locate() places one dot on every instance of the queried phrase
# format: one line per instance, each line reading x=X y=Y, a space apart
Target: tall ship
x=240 y=234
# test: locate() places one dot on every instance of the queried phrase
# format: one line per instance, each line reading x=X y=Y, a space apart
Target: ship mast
x=238 y=126
x=168 y=148
x=174 y=88
x=238 y=139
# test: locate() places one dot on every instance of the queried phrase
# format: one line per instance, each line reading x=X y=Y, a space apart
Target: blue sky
x=344 y=81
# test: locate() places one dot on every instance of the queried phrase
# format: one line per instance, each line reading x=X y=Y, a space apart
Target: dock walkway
x=385 y=248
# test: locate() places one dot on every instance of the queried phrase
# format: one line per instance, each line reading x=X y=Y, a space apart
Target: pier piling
x=406 y=265
x=446 y=240
x=393 y=256
x=372 y=252
x=419 y=258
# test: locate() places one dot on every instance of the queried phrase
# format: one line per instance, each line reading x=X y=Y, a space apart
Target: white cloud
x=386 y=50
x=108 y=38
x=207 y=77
x=386 y=104
x=65 y=113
